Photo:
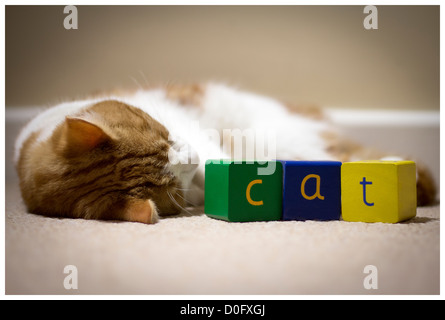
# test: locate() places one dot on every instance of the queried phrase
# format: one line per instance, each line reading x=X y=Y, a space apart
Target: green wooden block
x=236 y=191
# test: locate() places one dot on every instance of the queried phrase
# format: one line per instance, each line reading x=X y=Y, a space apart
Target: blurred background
x=307 y=54
x=319 y=55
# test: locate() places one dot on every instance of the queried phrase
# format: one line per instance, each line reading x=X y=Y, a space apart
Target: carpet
x=192 y=254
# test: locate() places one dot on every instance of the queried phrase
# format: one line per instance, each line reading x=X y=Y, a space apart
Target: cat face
x=109 y=162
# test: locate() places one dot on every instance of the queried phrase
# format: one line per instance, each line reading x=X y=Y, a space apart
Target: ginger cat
x=132 y=156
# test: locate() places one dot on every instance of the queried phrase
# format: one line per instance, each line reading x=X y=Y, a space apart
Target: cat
x=132 y=155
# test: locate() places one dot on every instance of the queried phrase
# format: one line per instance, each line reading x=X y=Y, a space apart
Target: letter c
x=249 y=199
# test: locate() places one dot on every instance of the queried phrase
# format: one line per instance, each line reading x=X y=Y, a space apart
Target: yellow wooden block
x=378 y=191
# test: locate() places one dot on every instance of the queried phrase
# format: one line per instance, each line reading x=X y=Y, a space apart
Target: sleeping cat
x=133 y=156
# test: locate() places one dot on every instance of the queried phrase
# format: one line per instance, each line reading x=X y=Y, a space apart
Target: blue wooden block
x=311 y=190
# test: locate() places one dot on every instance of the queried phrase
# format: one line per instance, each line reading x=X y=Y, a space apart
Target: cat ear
x=80 y=136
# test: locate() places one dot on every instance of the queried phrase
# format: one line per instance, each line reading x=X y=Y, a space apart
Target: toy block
x=238 y=191
x=378 y=191
x=311 y=190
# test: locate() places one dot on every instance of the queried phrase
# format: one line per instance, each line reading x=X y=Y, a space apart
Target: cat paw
x=141 y=211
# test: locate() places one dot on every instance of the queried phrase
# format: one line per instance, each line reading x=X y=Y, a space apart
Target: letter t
x=364 y=183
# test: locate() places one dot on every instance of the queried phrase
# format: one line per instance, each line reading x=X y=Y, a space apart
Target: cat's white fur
x=223 y=107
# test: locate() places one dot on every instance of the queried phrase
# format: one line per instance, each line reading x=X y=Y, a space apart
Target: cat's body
x=134 y=156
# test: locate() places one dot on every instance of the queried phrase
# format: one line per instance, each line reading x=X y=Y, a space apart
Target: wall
x=305 y=54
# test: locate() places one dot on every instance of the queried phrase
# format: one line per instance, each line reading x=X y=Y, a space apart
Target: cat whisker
x=176 y=203
x=136 y=82
x=188 y=201
x=145 y=78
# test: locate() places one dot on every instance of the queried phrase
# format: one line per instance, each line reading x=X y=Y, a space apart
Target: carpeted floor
x=192 y=254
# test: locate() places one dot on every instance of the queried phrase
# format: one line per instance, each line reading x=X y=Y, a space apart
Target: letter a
x=370 y=281
x=70 y=21
x=249 y=199
x=317 y=192
x=70 y=281
x=371 y=20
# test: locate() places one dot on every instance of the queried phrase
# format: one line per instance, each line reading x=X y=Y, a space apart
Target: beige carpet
x=192 y=254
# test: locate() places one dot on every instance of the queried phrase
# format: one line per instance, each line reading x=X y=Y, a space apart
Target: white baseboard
x=379 y=118
x=347 y=117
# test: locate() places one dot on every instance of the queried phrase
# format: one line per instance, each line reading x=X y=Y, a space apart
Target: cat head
x=116 y=165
